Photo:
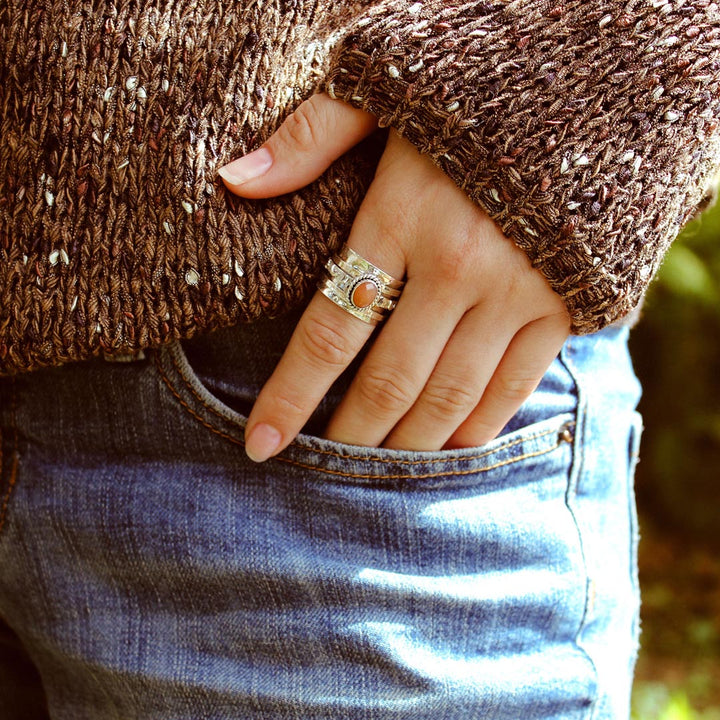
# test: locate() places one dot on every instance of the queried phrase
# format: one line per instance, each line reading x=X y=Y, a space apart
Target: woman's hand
x=475 y=328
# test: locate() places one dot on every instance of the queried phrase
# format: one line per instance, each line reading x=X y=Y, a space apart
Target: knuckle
x=287 y=406
x=455 y=263
x=386 y=391
x=325 y=344
x=515 y=389
x=484 y=431
x=447 y=399
x=301 y=128
x=392 y=220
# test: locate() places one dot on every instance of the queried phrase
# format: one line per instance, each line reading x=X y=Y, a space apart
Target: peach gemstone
x=364 y=294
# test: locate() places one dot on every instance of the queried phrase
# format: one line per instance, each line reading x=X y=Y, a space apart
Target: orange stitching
x=425 y=476
x=13 y=472
x=201 y=420
x=333 y=453
x=360 y=476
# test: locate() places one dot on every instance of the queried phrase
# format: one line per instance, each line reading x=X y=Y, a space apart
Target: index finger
x=324 y=343
x=327 y=338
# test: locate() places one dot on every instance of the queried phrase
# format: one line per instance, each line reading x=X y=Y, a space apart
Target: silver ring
x=359 y=287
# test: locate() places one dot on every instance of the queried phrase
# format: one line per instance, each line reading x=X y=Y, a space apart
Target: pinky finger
x=523 y=365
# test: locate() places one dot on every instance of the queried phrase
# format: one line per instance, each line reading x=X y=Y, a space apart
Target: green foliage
x=653 y=701
x=676 y=348
x=691 y=270
x=687 y=277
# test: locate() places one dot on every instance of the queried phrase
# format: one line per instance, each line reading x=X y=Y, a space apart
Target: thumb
x=318 y=132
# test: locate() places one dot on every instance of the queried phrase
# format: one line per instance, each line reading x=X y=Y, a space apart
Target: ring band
x=359 y=287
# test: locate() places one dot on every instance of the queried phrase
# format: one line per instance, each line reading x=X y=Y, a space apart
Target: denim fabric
x=149 y=570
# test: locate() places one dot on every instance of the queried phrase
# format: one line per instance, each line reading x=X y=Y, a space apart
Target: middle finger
x=396 y=368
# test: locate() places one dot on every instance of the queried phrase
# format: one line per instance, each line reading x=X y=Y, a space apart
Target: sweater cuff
x=588 y=131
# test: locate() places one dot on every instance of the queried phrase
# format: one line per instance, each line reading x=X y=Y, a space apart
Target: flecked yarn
x=588 y=130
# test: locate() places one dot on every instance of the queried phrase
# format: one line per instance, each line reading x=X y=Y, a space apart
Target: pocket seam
x=346 y=456
x=576 y=470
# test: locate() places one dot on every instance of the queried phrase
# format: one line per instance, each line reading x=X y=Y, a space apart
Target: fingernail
x=247 y=167
x=262 y=442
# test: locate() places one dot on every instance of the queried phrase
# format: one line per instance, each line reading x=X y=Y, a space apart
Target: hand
x=475 y=328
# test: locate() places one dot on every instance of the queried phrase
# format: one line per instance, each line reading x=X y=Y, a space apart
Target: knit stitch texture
x=588 y=130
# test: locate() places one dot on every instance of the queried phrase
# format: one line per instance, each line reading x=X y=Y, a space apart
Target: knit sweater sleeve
x=589 y=130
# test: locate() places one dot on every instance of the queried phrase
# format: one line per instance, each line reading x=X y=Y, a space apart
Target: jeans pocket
x=534 y=450
x=455 y=575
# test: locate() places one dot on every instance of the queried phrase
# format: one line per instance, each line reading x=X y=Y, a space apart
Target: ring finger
x=456 y=384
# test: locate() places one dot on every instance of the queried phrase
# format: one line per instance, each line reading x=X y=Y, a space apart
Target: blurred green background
x=676 y=350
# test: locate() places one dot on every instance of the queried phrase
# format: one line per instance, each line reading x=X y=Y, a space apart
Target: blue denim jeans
x=149 y=570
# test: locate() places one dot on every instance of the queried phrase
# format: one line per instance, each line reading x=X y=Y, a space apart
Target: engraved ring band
x=359 y=287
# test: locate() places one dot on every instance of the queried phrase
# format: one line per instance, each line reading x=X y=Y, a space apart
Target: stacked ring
x=359 y=287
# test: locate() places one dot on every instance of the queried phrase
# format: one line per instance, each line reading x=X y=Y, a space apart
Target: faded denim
x=149 y=570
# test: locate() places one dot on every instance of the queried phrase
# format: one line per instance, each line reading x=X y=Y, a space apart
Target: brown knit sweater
x=588 y=129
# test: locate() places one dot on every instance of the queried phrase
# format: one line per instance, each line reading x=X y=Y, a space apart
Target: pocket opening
x=367 y=464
